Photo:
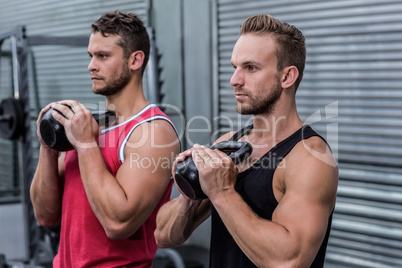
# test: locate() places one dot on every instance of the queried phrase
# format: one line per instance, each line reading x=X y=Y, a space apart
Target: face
x=109 y=70
x=256 y=81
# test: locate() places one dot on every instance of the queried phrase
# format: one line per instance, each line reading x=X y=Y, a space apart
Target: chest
x=258 y=154
x=260 y=184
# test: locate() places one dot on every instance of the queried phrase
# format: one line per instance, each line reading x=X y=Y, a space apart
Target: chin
x=242 y=107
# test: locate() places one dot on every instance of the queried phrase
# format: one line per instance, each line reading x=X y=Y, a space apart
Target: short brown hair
x=130 y=28
x=291 y=49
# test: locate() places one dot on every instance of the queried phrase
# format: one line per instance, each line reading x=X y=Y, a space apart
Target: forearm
x=177 y=219
x=265 y=243
x=106 y=196
x=46 y=189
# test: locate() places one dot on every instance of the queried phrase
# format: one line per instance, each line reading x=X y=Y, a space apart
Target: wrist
x=188 y=204
x=223 y=197
x=85 y=147
x=47 y=151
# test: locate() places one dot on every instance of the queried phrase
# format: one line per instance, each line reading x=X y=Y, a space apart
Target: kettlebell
x=54 y=134
x=186 y=175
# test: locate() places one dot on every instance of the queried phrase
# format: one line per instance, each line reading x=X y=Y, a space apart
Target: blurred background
x=351 y=94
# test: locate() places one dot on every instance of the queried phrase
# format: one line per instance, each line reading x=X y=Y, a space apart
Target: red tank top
x=83 y=242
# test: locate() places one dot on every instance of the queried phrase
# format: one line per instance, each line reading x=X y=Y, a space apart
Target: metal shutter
x=352 y=93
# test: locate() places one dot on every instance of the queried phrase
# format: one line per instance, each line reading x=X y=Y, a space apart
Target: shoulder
x=311 y=168
x=157 y=132
x=314 y=150
x=148 y=135
x=312 y=154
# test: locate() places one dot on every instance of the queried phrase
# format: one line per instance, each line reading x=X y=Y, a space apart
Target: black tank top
x=255 y=186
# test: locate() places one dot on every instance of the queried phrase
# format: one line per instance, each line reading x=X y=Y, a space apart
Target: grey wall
x=198 y=70
x=166 y=20
x=184 y=40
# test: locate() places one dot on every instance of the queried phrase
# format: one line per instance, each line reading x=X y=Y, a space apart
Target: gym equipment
x=11 y=118
x=54 y=135
x=186 y=175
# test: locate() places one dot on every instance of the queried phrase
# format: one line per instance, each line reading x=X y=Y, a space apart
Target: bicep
x=308 y=201
x=143 y=183
x=305 y=220
x=145 y=173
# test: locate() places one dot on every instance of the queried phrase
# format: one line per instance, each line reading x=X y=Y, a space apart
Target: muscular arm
x=178 y=218
x=47 y=183
x=123 y=203
x=46 y=188
x=306 y=196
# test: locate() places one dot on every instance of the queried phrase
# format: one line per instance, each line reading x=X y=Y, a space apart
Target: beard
x=262 y=104
x=116 y=85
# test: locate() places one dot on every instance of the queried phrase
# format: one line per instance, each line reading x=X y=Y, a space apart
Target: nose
x=237 y=78
x=92 y=65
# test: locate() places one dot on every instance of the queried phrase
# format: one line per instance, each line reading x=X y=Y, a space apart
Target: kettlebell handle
x=240 y=150
x=54 y=135
x=187 y=177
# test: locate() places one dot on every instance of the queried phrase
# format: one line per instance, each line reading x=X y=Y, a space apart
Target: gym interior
x=351 y=94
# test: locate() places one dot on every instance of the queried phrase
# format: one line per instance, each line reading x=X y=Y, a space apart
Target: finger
x=69 y=103
x=217 y=158
x=63 y=109
x=42 y=112
x=66 y=107
x=179 y=158
x=198 y=159
x=207 y=153
x=201 y=158
x=174 y=167
x=224 y=158
x=212 y=158
x=59 y=117
x=186 y=153
x=77 y=107
x=183 y=155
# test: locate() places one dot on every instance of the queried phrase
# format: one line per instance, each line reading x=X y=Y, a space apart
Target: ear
x=136 y=60
x=289 y=76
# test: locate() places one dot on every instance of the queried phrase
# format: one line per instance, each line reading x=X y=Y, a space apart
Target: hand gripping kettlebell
x=186 y=175
x=54 y=135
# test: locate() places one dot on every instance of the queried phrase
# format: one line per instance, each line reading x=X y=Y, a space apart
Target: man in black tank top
x=275 y=209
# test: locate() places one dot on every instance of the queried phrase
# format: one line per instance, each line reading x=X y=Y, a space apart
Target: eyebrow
x=99 y=52
x=247 y=63
x=250 y=63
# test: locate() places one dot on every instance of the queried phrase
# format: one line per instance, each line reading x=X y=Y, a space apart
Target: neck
x=278 y=125
x=128 y=102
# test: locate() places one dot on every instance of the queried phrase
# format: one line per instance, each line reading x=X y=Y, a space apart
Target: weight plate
x=11 y=118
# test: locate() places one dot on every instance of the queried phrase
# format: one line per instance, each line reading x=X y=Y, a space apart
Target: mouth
x=95 y=78
x=240 y=96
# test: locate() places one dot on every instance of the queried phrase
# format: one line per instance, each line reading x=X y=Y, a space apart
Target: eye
x=251 y=68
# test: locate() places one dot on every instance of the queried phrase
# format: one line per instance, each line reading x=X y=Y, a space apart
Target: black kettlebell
x=186 y=175
x=54 y=135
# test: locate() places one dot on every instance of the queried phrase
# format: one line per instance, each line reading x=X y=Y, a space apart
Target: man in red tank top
x=107 y=191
